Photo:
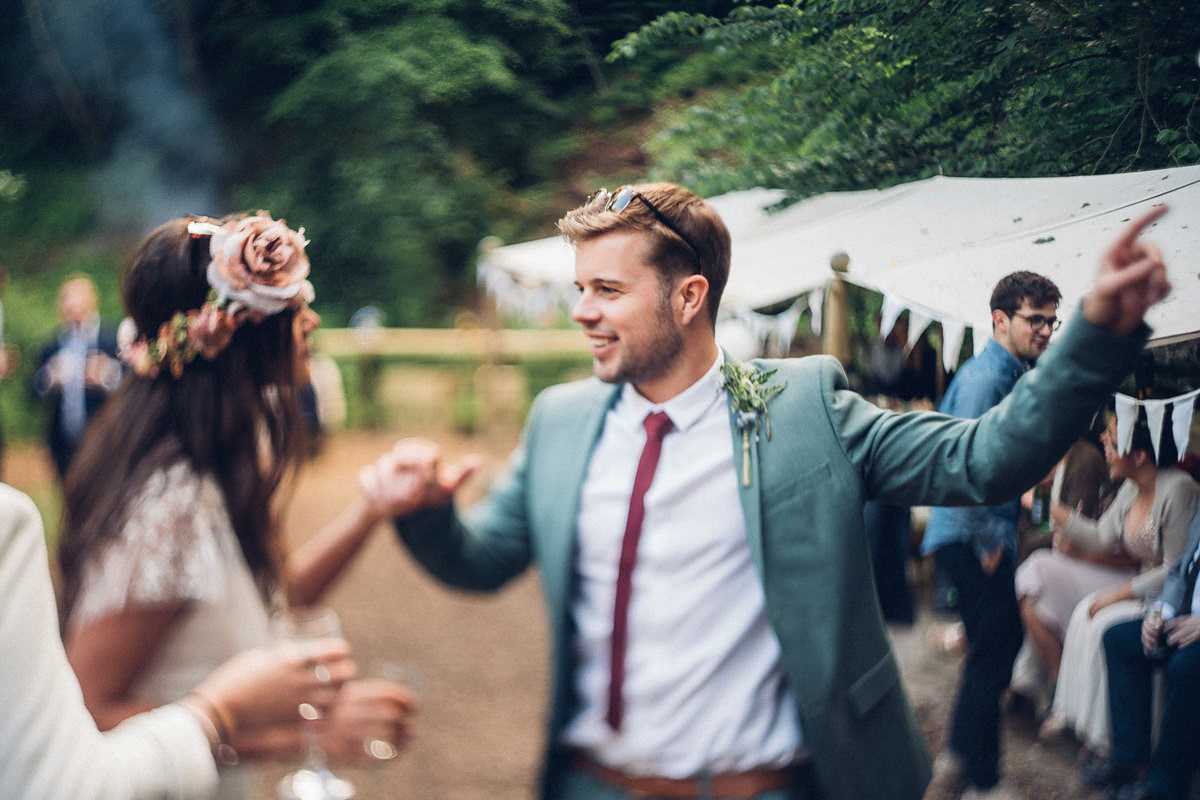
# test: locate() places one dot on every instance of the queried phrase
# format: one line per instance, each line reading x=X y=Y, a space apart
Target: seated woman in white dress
x=1147 y=521
x=171 y=552
x=1051 y=581
x=49 y=744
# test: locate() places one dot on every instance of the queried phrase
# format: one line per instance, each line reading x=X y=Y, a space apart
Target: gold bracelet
x=215 y=728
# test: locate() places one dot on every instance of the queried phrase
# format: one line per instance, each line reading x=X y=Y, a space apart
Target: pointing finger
x=1133 y=230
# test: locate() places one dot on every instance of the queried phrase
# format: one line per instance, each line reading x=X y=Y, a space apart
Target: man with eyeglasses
x=698 y=528
x=976 y=548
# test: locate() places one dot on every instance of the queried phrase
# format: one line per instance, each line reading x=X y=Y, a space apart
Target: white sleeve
x=49 y=745
x=163 y=554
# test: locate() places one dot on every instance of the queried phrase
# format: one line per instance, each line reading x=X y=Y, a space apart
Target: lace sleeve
x=162 y=553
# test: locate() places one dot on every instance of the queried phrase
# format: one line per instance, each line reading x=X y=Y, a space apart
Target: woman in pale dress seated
x=1146 y=523
x=171 y=553
x=1051 y=581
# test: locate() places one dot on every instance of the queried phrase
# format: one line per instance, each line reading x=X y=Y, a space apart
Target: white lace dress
x=179 y=545
x=1081 y=697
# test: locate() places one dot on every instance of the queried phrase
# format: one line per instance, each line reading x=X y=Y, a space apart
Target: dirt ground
x=481 y=661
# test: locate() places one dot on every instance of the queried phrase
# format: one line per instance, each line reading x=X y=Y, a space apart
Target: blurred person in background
x=171 y=552
x=77 y=371
x=1143 y=765
x=10 y=358
x=1146 y=527
x=976 y=548
x=1079 y=481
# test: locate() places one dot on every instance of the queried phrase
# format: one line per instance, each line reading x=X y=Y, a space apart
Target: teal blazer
x=830 y=451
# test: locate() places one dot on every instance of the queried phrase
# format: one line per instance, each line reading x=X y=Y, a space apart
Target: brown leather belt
x=726 y=786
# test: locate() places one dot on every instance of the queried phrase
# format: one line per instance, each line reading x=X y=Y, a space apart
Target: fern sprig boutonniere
x=749 y=394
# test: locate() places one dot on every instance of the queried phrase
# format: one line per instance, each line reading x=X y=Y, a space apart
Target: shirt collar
x=686 y=408
x=86 y=329
x=1000 y=354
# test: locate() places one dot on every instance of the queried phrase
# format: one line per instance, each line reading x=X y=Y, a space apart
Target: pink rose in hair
x=260 y=264
x=210 y=330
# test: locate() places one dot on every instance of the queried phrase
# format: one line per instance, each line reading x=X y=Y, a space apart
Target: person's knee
x=1183 y=667
x=1117 y=640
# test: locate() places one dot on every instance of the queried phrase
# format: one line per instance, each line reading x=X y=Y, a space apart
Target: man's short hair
x=704 y=247
x=1017 y=286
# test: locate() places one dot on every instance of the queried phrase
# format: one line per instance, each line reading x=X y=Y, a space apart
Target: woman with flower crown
x=171 y=552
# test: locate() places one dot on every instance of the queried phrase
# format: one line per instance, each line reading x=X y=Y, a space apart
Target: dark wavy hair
x=234 y=418
x=1023 y=285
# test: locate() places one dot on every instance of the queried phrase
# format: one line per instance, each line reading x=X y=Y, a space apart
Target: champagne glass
x=297 y=628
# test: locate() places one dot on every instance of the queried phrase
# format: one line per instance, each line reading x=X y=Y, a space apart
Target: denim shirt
x=981 y=383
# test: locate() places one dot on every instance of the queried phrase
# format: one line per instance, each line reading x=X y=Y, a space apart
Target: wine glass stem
x=314 y=756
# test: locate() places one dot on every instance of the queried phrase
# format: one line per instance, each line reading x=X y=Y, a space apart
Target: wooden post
x=835 y=338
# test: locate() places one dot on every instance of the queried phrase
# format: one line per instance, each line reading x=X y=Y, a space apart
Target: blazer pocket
x=873 y=685
x=796 y=483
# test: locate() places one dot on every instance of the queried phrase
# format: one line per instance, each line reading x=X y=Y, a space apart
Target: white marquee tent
x=934 y=247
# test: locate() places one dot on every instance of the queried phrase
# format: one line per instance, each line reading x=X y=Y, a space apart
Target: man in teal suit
x=745 y=655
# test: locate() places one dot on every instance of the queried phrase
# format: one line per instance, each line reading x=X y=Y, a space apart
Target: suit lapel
x=572 y=449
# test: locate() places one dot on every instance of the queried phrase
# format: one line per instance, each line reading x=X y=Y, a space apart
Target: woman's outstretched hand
x=410 y=478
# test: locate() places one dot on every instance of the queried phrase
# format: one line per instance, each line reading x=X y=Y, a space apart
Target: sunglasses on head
x=619 y=200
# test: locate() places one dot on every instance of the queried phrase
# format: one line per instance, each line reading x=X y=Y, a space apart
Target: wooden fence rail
x=476 y=377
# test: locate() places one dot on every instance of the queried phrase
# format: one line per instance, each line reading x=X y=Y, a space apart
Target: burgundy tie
x=657 y=425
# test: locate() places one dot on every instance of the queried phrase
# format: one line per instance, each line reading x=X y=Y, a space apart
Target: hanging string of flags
x=1182 y=407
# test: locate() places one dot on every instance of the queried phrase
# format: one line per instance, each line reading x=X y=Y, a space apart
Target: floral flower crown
x=258 y=269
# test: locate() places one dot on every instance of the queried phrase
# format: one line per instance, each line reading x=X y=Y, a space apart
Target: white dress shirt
x=704 y=688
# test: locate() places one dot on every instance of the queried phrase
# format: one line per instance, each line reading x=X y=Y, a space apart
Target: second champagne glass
x=298 y=628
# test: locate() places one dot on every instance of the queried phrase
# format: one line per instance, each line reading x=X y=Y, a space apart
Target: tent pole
x=835 y=338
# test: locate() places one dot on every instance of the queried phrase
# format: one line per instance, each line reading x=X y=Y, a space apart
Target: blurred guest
x=1167 y=639
x=1147 y=523
x=1080 y=483
x=49 y=746
x=889 y=531
x=976 y=548
x=1052 y=581
x=9 y=357
x=171 y=553
x=77 y=371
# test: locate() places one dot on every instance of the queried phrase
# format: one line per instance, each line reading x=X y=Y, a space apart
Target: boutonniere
x=749 y=394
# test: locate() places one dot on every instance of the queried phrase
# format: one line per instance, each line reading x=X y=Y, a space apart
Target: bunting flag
x=816 y=302
x=953 y=333
x=1182 y=407
x=780 y=329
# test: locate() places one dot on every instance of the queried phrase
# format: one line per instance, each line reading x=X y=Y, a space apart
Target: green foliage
x=867 y=93
x=393 y=141
x=401 y=132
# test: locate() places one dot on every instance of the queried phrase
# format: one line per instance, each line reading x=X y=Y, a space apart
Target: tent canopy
x=935 y=247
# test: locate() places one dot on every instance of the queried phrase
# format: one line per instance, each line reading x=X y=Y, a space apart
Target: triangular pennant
x=953 y=332
x=917 y=323
x=1181 y=421
x=816 y=299
x=980 y=334
x=892 y=308
x=1154 y=421
x=1126 y=408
